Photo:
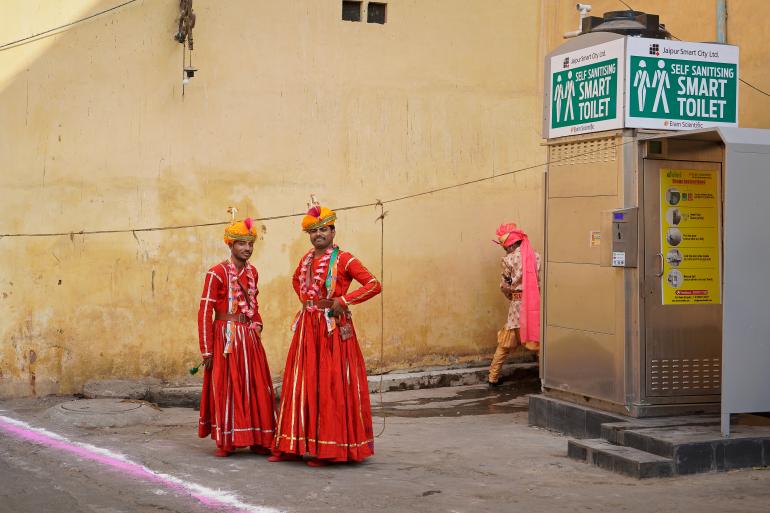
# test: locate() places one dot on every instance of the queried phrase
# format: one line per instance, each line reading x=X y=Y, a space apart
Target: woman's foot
x=262 y=451
x=316 y=462
x=221 y=453
x=283 y=456
x=495 y=384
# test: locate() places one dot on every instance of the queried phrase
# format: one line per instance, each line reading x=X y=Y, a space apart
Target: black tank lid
x=627 y=23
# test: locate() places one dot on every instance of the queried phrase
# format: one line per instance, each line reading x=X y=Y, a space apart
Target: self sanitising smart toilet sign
x=638 y=82
x=586 y=86
x=677 y=85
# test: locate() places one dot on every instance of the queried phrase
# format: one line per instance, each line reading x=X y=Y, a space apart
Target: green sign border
x=613 y=88
x=731 y=90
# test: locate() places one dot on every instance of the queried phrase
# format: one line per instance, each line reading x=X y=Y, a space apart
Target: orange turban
x=317 y=217
x=241 y=230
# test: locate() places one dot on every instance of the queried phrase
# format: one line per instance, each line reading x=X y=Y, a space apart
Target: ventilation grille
x=695 y=374
x=584 y=152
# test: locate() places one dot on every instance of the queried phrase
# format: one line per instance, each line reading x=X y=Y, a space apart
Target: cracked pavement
x=459 y=449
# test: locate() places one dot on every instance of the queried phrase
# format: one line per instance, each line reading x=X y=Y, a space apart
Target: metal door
x=682 y=342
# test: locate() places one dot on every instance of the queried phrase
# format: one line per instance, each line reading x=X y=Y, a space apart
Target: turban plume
x=318 y=216
x=241 y=230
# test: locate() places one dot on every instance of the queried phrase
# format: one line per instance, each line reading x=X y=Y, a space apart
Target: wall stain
x=103 y=324
x=32 y=376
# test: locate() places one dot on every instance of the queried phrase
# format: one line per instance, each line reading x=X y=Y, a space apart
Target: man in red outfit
x=237 y=403
x=325 y=412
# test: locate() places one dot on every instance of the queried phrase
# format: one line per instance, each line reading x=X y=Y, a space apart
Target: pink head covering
x=507 y=235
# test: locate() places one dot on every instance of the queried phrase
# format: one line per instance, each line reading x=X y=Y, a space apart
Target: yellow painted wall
x=289 y=100
x=748 y=27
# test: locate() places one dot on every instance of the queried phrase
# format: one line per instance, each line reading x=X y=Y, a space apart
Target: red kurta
x=237 y=402
x=325 y=409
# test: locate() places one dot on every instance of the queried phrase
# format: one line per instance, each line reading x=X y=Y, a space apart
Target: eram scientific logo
x=684 y=124
x=582 y=128
x=673 y=174
x=655 y=49
x=565 y=64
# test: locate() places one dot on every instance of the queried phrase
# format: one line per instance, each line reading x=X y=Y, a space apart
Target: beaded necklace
x=311 y=291
x=245 y=304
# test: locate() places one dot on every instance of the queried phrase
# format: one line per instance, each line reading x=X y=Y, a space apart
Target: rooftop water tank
x=627 y=23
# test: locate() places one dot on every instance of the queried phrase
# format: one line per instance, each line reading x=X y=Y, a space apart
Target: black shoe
x=495 y=384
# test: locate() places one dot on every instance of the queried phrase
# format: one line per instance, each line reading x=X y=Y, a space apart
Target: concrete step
x=615 y=432
x=701 y=448
x=526 y=374
x=442 y=377
x=573 y=420
x=624 y=460
x=680 y=445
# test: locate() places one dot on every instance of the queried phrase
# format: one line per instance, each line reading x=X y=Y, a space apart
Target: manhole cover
x=100 y=406
x=102 y=413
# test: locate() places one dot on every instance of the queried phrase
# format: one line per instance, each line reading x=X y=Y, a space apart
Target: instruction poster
x=689 y=218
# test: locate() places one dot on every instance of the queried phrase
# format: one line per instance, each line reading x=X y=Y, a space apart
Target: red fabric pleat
x=325 y=409
x=237 y=403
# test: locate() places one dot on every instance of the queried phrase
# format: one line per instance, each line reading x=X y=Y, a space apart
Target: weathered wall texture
x=289 y=100
x=748 y=25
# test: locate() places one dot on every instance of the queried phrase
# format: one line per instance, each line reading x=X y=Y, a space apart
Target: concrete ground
x=460 y=449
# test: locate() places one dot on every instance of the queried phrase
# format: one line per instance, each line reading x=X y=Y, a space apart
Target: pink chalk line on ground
x=215 y=499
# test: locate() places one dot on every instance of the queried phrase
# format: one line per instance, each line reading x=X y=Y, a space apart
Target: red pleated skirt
x=237 y=402
x=325 y=410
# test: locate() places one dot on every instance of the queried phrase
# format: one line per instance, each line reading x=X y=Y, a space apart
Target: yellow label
x=689 y=228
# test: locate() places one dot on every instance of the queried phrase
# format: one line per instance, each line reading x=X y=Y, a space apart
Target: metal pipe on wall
x=722 y=21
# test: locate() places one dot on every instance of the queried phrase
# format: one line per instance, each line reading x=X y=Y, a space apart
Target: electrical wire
x=754 y=87
x=298 y=214
x=270 y=218
x=46 y=33
x=381 y=219
x=740 y=79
